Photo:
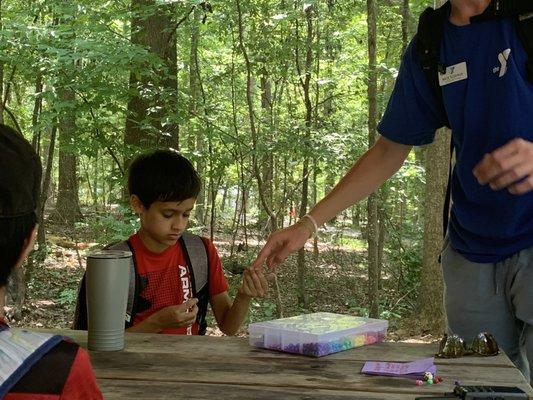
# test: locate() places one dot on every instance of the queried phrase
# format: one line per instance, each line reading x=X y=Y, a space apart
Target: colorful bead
x=370 y=338
x=292 y=348
x=428 y=376
x=310 y=349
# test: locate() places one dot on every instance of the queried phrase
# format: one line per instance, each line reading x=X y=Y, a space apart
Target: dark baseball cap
x=20 y=175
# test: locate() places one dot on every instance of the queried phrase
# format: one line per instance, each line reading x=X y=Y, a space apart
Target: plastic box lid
x=319 y=326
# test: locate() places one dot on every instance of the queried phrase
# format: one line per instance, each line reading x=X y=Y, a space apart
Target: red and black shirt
x=169 y=279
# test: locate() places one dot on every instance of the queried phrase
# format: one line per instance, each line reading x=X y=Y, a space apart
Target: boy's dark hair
x=163 y=175
x=20 y=185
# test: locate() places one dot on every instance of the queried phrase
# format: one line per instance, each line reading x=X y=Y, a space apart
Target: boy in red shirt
x=169 y=298
x=32 y=365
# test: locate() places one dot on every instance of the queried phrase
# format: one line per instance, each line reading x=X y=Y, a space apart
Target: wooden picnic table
x=205 y=367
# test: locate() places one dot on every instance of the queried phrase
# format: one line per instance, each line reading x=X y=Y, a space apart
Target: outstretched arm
x=377 y=165
x=231 y=315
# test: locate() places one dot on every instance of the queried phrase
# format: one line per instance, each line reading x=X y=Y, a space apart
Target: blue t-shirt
x=488 y=109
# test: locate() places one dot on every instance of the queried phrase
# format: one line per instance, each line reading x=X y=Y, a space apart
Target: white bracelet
x=313 y=220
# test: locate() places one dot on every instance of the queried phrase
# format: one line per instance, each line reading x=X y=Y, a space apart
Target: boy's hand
x=176 y=316
x=510 y=166
x=254 y=283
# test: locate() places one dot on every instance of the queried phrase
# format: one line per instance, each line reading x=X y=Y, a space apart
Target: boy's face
x=163 y=223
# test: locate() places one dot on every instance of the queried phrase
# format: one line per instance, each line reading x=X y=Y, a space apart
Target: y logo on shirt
x=502 y=58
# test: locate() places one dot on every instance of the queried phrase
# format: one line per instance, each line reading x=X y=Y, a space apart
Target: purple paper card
x=413 y=370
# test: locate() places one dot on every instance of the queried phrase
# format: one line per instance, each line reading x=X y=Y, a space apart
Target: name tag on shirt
x=454 y=73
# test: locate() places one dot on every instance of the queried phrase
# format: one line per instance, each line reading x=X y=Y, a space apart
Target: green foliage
x=68 y=297
x=114 y=227
x=84 y=49
x=354 y=307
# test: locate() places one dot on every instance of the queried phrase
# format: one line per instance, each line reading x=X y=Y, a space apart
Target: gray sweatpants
x=495 y=298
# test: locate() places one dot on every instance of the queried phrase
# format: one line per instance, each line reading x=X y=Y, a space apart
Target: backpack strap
x=448 y=197
x=197 y=253
x=524 y=27
x=197 y=258
x=429 y=38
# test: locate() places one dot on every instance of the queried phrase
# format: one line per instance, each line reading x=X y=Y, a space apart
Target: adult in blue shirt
x=488 y=259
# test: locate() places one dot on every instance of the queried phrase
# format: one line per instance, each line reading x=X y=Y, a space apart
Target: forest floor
x=335 y=282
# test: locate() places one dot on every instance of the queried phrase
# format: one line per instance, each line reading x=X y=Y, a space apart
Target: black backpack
x=198 y=261
x=429 y=38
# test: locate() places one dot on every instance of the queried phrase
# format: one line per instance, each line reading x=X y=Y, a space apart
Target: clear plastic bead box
x=317 y=334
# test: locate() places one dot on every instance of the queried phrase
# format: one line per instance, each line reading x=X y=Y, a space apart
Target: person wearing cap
x=32 y=365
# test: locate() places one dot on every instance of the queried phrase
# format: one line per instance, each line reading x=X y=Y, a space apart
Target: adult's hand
x=510 y=167
x=281 y=244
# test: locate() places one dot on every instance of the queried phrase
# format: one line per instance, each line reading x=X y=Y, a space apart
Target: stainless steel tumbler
x=107 y=285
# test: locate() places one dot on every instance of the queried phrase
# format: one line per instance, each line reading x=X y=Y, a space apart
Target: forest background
x=273 y=100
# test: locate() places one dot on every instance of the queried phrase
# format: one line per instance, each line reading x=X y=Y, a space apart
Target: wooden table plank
x=196 y=367
x=123 y=389
x=215 y=347
x=295 y=373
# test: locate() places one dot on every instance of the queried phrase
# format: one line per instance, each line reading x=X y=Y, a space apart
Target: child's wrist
x=153 y=322
x=241 y=296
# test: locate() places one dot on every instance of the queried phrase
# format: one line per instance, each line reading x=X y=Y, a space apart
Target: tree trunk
x=431 y=312
x=41 y=237
x=213 y=203
x=285 y=194
x=225 y=197
x=437 y=159
x=196 y=134
x=67 y=210
x=328 y=93
x=372 y=203
x=267 y=161
x=37 y=106
x=406 y=19
x=315 y=198
x=155 y=89
x=251 y=116
x=16 y=292
x=236 y=219
x=306 y=86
